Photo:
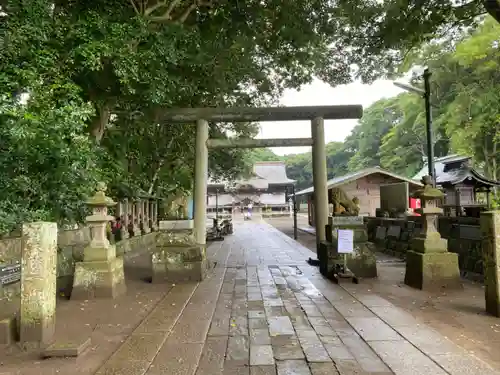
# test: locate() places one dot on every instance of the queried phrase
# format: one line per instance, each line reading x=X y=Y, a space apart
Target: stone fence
x=139 y=218
x=463 y=235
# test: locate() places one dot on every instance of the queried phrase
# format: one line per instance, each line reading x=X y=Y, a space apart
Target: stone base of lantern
x=433 y=243
x=99 y=279
x=432 y=271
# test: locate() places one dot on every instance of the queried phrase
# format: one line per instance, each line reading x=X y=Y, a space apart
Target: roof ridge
x=343 y=179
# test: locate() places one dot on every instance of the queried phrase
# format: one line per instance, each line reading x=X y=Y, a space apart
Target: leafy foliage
x=100 y=75
x=382 y=35
x=46 y=165
x=391 y=134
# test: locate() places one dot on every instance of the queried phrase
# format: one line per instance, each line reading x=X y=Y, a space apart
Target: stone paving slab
x=264 y=311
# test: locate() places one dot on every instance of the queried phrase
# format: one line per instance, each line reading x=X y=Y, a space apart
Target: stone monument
x=490 y=233
x=429 y=265
x=100 y=274
x=38 y=284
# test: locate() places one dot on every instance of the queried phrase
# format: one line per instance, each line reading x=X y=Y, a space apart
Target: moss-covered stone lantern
x=429 y=265
x=100 y=274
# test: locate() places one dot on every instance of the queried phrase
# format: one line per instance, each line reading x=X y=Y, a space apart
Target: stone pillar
x=38 y=283
x=120 y=214
x=131 y=227
x=137 y=217
x=319 y=179
x=140 y=215
x=150 y=215
x=147 y=219
x=429 y=265
x=101 y=274
x=490 y=233
x=155 y=214
x=125 y=219
x=200 y=182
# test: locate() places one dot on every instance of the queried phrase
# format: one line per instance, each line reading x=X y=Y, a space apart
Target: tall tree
x=377 y=121
x=381 y=34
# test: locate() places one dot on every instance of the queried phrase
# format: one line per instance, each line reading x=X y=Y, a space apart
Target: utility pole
x=428 y=126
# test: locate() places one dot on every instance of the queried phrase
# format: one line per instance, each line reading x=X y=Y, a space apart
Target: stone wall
x=463 y=234
x=70 y=244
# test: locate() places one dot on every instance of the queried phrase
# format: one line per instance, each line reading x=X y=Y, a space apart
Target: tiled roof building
x=265 y=188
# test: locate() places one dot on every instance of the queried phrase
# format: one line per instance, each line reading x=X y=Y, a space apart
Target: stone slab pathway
x=265 y=311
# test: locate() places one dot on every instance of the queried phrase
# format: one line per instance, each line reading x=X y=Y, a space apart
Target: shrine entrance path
x=458 y=315
x=265 y=311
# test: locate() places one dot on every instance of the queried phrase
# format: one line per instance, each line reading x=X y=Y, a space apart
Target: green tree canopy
x=465 y=105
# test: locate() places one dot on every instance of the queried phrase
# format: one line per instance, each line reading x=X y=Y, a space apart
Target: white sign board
x=345 y=241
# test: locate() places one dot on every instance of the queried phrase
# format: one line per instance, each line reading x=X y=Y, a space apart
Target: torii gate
x=316 y=114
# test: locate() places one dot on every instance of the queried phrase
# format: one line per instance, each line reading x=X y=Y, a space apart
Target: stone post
x=200 y=182
x=137 y=218
x=319 y=179
x=490 y=233
x=155 y=214
x=125 y=218
x=429 y=265
x=150 y=215
x=120 y=213
x=147 y=219
x=140 y=215
x=38 y=283
x=101 y=274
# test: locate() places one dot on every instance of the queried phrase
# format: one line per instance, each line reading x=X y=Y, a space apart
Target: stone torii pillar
x=200 y=182
x=319 y=179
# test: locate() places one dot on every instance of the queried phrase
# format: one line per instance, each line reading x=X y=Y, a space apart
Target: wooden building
x=467 y=190
x=265 y=189
x=364 y=184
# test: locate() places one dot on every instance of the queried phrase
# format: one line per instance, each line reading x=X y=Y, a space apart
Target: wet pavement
x=265 y=311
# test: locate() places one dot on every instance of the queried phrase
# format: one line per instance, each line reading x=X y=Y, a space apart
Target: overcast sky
x=319 y=93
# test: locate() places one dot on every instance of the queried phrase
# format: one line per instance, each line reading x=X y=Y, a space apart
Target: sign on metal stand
x=345 y=246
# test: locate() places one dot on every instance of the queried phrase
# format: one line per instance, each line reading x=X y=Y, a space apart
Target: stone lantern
x=429 y=265
x=100 y=274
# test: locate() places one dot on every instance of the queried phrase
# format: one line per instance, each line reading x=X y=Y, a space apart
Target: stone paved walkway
x=264 y=311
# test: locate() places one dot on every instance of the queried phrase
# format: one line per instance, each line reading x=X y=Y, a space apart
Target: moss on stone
x=432 y=271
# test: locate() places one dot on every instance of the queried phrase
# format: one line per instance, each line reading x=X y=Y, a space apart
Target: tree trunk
x=155 y=177
x=99 y=123
x=493 y=8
